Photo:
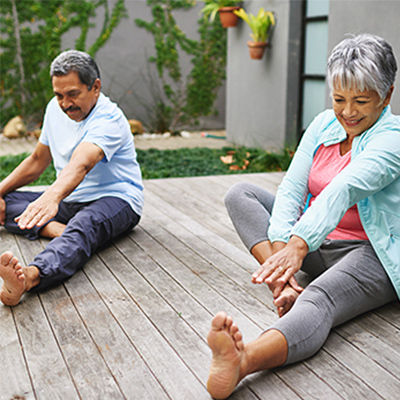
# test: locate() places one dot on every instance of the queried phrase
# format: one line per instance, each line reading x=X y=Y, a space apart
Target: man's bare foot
x=286 y=300
x=227 y=346
x=13 y=279
x=52 y=230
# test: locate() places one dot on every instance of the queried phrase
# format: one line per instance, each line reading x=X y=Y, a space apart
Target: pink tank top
x=326 y=165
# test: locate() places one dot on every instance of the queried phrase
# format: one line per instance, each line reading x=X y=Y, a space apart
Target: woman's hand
x=281 y=266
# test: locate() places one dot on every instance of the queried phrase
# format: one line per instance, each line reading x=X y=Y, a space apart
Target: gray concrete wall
x=262 y=96
x=127 y=76
x=256 y=89
x=379 y=17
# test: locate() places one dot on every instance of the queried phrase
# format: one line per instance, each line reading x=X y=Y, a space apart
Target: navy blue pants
x=89 y=226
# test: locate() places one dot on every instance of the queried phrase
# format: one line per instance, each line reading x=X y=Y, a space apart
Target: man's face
x=73 y=96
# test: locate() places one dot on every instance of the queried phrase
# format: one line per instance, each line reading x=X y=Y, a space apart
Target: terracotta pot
x=227 y=17
x=256 y=49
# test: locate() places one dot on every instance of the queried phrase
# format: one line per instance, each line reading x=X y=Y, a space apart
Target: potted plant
x=225 y=9
x=261 y=26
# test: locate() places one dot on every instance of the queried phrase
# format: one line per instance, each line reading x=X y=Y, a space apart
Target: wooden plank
x=384 y=383
x=186 y=308
x=391 y=313
x=89 y=372
x=143 y=309
x=176 y=316
x=268 y=386
x=40 y=346
x=199 y=271
x=203 y=292
x=267 y=180
x=382 y=329
x=306 y=384
x=147 y=336
x=231 y=270
x=126 y=365
x=337 y=376
x=236 y=254
x=195 y=209
x=377 y=350
x=243 y=303
x=87 y=367
x=14 y=377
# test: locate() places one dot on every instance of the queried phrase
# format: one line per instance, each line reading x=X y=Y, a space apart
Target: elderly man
x=98 y=193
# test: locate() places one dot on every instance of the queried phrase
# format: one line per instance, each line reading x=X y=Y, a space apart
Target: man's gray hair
x=78 y=61
x=362 y=62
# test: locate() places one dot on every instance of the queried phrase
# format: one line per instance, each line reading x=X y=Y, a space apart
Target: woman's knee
x=238 y=192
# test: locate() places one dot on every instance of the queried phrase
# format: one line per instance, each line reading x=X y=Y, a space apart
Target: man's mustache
x=70 y=109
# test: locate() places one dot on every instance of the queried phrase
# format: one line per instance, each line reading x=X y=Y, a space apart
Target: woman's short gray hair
x=364 y=62
x=78 y=61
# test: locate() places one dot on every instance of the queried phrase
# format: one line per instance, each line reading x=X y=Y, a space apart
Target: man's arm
x=83 y=159
x=28 y=171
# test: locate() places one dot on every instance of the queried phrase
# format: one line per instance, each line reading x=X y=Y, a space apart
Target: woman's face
x=357 y=111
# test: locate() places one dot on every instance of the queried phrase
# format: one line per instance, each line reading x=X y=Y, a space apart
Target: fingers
x=27 y=220
x=293 y=283
x=36 y=214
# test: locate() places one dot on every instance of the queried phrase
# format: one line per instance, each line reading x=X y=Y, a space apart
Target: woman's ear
x=388 y=96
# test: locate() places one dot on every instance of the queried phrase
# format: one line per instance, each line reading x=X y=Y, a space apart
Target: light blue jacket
x=371 y=180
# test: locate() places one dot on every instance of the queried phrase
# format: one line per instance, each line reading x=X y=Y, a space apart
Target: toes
x=238 y=336
x=228 y=322
x=20 y=273
x=218 y=322
x=233 y=329
x=13 y=263
x=239 y=341
x=17 y=267
x=6 y=257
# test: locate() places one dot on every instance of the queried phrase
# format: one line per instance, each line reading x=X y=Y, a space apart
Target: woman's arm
x=292 y=192
x=376 y=167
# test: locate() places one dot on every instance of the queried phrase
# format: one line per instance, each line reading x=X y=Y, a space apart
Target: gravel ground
x=144 y=142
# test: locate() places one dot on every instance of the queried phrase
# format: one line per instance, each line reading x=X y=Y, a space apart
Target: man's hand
x=281 y=267
x=2 y=211
x=43 y=209
x=40 y=211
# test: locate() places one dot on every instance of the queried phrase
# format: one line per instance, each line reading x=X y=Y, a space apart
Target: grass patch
x=182 y=162
x=9 y=163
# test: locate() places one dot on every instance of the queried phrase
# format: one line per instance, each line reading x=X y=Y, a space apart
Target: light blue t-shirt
x=118 y=173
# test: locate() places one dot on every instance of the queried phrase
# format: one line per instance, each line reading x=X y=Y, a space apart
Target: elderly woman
x=336 y=216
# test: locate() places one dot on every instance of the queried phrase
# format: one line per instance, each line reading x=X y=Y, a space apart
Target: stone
x=14 y=128
x=136 y=126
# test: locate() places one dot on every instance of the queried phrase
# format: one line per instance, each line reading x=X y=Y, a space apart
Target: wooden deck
x=132 y=324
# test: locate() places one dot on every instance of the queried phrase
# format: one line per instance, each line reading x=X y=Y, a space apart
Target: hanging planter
x=227 y=16
x=256 y=49
x=225 y=8
x=261 y=26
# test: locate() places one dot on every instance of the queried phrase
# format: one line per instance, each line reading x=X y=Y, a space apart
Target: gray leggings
x=348 y=277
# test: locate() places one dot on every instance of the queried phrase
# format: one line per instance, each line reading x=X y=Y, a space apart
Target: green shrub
x=182 y=100
x=31 y=36
x=181 y=163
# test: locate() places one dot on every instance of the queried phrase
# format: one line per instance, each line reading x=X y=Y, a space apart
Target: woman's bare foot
x=286 y=300
x=227 y=346
x=13 y=279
